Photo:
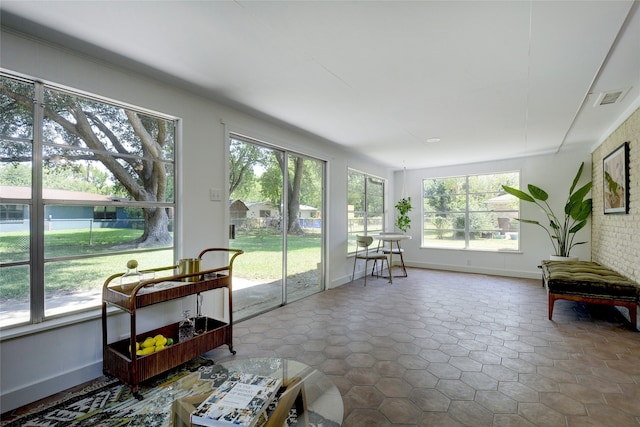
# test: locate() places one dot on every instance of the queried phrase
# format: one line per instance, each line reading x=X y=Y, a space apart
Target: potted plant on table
x=403 y=222
x=561 y=228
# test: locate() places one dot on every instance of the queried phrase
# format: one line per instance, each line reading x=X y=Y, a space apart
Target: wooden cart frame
x=132 y=369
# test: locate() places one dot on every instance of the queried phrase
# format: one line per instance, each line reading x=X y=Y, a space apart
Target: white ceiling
x=492 y=80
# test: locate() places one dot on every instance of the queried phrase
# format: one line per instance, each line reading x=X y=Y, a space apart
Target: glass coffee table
x=316 y=400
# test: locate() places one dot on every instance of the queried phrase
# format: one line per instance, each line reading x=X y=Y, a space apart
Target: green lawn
x=64 y=243
x=262 y=258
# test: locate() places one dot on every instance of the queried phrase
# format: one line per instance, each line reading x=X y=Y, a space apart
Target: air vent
x=610 y=97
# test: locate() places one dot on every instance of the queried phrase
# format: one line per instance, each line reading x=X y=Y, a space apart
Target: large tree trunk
x=293 y=208
x=293 y=194
x=156 y=230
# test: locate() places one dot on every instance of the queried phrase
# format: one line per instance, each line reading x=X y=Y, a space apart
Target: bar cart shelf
x=132 y=369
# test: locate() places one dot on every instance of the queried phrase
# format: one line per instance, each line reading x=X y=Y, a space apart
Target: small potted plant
x=561 y=229
x=403 y=222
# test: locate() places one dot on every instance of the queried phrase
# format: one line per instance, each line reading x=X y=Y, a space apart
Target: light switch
x=215 y=194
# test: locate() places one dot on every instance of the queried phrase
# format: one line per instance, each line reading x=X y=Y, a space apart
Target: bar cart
x=119 y=357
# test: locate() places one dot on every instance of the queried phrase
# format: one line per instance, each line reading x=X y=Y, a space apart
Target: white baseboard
x=445 y=267
x=477 y=270
x=343 y=280
x=30 y=393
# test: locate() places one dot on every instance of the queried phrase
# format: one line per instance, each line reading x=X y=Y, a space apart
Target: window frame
x=366 y=216
x=37 y=203
x=499 y=233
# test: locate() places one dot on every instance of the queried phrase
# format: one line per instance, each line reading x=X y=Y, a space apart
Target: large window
x=365 y=210
x=471 y=212
x=85 y=185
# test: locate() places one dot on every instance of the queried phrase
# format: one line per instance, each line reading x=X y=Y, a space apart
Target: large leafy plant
x=563 y=228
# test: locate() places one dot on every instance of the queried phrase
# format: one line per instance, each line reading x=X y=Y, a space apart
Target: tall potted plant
x=403 y=222
x=561 y=228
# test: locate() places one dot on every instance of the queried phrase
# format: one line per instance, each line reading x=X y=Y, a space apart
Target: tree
x=311 y=191
x=271 y=181
x=129 y=144
x=356 y=190
x=438 y=200
x=293 y=199
x=243 y=158
x=271 y=184
x=17 y=175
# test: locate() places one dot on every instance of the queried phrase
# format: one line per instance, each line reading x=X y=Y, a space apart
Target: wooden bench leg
x=632 y=307
x=633 y=316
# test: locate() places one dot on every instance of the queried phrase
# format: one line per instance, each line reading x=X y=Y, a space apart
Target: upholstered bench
x=589 y=282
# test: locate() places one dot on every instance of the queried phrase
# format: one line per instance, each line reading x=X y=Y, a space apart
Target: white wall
x=43 y=362
x=553 y=172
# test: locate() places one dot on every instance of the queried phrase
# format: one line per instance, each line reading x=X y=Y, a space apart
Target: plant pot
x=563 y=258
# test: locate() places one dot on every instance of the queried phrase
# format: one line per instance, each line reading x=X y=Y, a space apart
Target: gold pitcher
x=189 y=266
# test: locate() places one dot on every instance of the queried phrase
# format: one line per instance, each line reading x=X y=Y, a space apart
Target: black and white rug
x=110 y=403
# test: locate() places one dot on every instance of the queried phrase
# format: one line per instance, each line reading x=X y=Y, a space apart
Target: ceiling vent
x=610 y=97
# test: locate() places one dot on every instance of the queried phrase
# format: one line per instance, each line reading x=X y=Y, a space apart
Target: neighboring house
x=268 y=214
x=262 y=210
x=237 y=210
x=310 y=217
x=15 y=216
x=307 y=212
x=270 y=210
x=260 y=214
x=501 y=204
x=237 y=216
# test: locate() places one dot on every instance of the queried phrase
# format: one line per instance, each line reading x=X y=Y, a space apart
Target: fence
x=272 y=222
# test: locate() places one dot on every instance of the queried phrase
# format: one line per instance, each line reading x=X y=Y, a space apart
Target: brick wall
x=615 y=238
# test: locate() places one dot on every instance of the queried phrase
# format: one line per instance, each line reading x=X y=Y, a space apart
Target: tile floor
x=453 y=349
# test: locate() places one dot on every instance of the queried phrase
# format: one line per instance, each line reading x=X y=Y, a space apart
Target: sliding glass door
x=305 y=228
x=275 y=211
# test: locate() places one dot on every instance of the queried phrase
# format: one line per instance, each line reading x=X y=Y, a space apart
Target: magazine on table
x=239 y=401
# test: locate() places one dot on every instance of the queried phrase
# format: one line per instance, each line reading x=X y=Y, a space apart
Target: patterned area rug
x=111 y=404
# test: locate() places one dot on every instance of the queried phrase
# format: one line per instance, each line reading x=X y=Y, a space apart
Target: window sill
x=9 y=333
x=497 y=251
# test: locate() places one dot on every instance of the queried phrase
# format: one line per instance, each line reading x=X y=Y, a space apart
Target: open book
x=240 y=401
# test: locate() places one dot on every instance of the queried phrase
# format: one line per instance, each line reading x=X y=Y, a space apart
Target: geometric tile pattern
x=454 y=349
